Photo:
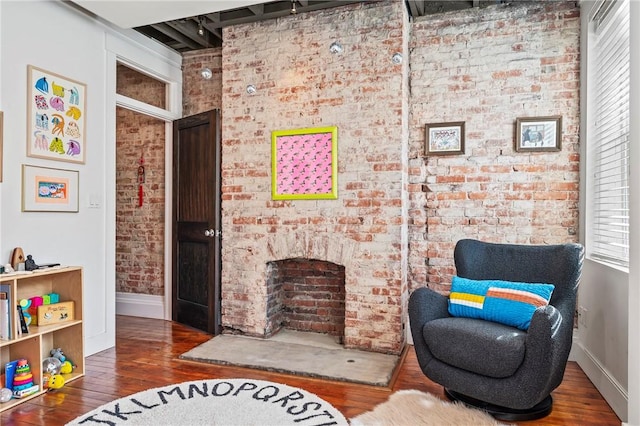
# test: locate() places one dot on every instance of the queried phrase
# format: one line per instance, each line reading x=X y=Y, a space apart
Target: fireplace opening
x=306 y=295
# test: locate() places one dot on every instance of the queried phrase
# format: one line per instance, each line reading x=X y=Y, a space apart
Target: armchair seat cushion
x=482 y=347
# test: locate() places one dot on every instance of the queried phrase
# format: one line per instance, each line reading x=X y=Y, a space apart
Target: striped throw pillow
x=506 y=302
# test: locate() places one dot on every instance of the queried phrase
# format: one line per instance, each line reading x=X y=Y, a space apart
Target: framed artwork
x=539 y=133
x=304 y=164
x=445 y=138
x=49 y=190
x=56 y=117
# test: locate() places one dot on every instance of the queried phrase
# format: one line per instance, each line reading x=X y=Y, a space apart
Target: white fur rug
x=217 y=402
x=415 y=408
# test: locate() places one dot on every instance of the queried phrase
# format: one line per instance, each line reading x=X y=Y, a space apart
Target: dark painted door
x=196 y=221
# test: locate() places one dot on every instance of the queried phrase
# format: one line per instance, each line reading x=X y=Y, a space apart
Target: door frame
x=173 y=112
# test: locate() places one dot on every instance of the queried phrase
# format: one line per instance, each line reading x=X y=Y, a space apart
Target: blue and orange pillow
x=505 y=302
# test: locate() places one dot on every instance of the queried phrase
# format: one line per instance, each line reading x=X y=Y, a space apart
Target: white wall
x=59 y=38
x=603 y=338
x=634 y=270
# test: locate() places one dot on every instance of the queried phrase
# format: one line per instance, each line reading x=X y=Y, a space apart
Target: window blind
x=608 y=145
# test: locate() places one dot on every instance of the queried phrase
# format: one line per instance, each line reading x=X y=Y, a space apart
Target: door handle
x=211 y=233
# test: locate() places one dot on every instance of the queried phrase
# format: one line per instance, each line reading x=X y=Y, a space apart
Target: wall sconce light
x=206 y=73
x=396 y=58
x=251 y=89
x=293 y=7
x=335 y=48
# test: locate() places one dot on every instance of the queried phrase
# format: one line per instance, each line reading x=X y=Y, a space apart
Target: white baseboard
x=140 y=305
x=615 y=395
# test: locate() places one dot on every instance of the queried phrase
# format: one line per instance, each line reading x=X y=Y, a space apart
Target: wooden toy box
x=55 y=313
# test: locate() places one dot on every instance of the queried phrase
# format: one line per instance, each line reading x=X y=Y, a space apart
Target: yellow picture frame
x=304 y=164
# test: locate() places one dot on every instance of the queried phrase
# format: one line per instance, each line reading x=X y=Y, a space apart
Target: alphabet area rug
x=412 y=407
x=225 y=402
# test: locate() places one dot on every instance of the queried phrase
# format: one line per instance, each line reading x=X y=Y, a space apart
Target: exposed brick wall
x=139 y=230
x=487 y=67
x=201 y=95
x=483 y=66
x=141 y=87
x=301 y=84
x=306 y=295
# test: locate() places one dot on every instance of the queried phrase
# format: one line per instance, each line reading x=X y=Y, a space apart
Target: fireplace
x=373 y=293
x=306 y=295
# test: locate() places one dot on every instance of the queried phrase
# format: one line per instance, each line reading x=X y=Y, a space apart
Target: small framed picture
x=445 y=138
x=46 y=189
x=538 y=133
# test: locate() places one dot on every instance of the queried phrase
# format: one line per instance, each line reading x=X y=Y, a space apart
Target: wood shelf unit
x=35 y=346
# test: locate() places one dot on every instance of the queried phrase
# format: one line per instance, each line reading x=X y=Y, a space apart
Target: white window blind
x=608 y=142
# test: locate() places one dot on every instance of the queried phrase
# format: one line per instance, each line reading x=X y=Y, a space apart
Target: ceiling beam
x=213 y=29
x=176 y=35
x=190 y=29
x=416 y=7
x=270 y=11
x=257 y=9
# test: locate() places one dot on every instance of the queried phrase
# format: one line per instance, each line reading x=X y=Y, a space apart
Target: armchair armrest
x=425 y=305
x=547 y=344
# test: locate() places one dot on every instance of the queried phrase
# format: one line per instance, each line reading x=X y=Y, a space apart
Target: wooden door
x=196 y=221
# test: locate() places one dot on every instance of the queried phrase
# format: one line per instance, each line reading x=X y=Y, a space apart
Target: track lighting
x=200 y=27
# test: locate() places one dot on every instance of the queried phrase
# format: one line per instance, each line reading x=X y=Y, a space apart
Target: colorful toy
x=51 y=365
x=66 y=367
x=25 y=304
x=56 y=381
x=57 y=353
x=23 y=379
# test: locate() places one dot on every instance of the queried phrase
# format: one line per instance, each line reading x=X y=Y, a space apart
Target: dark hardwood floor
x=146 y=356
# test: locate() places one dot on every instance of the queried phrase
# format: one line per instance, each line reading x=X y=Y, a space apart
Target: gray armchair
x=503 y=370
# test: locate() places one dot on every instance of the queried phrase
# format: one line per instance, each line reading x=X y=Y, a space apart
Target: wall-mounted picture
x=56 y=122
x=49 y=190
x=304 y=164
x=445 y=138
x=538 y=133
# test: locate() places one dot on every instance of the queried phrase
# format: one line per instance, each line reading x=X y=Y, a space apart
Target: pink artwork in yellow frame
x=304 y=164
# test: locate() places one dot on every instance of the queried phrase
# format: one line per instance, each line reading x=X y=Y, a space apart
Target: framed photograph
x=56 y=116
x=49 y=190
x=538 y=133
x=445 y=138
x=304 y=164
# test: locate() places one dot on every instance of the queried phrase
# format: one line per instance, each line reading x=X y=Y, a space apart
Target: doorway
x=143 y=130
